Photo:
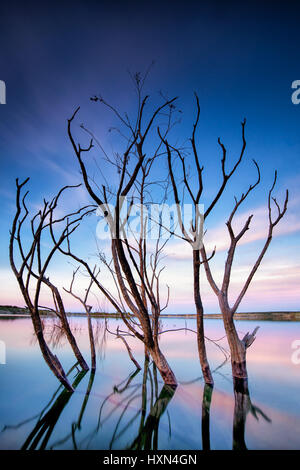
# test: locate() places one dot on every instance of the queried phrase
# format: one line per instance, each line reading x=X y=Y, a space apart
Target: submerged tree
x=135 y=263
x=194 y=235
x=135 y=268
x=238 y=347
x=30 y=262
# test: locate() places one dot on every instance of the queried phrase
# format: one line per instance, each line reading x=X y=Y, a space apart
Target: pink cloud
x=218 y=235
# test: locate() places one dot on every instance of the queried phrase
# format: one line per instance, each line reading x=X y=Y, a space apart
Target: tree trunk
x=242 y=405
x=73 y=344
x=50 y=358
x=92 y=343
x=163 y=366
x=66 y=326
x=237 y=347
x=200 y=324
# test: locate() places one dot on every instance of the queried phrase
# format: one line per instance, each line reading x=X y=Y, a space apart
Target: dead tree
x=134 y=284
x=88 y=309
x=193 y=237
x=193 y=234
x=33 y=263
x=238 y=347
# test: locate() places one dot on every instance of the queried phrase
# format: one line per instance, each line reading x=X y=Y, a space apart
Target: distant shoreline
x=13 y=311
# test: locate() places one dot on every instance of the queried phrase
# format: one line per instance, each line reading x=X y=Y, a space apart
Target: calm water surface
x=120 y=408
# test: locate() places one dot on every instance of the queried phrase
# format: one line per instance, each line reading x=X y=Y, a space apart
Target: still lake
x=120 y=408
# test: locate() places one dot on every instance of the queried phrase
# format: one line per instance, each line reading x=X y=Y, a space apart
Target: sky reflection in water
x=115 y=409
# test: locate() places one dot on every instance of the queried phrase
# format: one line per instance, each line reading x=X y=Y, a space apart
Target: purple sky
x=241 y=60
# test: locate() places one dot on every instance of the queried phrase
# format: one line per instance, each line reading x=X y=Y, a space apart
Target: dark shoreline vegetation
x=268 y=316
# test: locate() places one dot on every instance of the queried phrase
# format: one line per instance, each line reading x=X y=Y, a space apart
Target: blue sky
x=241 y=60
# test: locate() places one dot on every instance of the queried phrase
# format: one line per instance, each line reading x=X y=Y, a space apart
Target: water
x=119 y=409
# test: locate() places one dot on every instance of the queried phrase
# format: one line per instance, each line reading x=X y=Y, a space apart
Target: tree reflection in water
x=206 y=402
x=147 y=435
x=46 y=423
x=242 y=406
x=145 y=417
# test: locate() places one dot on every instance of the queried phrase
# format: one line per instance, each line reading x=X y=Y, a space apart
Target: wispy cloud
x=218 y=236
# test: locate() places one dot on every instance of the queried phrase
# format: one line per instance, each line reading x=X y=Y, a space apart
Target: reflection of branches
x=117 y=405
x=115 y=436
x=144 y=399
x=117 y=389
x=242 y=406
x=148 y=427
x=77 y=425
x=54 y=333
x=206 y=402
x=215 y=342
x=133 y=406
x=46 y=423
x=40 y=414
x=86 y=397
x=215 y=371
x=56 y=338
x=100 y=338
x=148 y=436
